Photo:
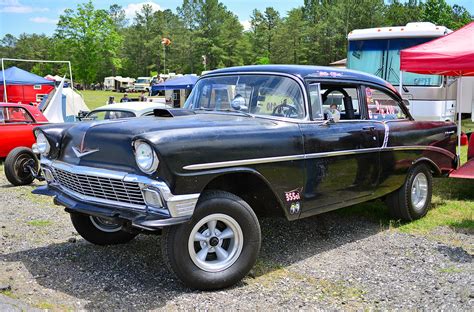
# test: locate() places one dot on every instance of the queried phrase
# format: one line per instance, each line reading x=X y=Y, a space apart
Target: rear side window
x=16 y=115
x=382 y=106
x=104 y=115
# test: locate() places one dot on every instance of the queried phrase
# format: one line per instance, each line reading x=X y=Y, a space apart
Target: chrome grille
x=100 y=187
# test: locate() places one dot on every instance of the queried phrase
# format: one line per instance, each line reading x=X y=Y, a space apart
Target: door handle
x=370 y=128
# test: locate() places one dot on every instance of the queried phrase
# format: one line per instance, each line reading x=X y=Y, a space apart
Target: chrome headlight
x=42 y=144
x=145 y=157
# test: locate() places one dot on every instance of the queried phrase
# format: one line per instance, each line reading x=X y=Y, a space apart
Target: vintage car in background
x=251 y=141
x=123 y=110
x=16 y=138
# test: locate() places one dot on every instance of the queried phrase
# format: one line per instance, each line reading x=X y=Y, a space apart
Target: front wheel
x=16 y=166
x=100 y=231
x=413 y=200
x=218 y=247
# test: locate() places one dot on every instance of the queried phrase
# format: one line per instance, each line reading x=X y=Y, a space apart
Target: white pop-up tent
x=63 y=105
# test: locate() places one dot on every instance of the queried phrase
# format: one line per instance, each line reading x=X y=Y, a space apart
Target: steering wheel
x=285 y=110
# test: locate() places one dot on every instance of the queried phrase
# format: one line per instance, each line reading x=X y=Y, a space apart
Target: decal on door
x=294 y=198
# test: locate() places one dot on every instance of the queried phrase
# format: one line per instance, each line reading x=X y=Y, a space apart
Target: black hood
x=112 y=140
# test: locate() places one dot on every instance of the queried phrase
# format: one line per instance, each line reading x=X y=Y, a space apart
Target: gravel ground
x=326 y=262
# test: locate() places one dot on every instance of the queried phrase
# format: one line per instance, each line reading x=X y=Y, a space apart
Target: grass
x=467 y=125
x=450 y=270
x=40 y=223
x=96 y=99
x=452 y=206
x=9 y=293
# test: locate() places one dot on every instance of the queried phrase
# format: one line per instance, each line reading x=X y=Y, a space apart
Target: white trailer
x=118 y=83
x=377 y=51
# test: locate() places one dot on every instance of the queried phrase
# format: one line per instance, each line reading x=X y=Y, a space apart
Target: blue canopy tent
x=186 y=82
x=15 y=76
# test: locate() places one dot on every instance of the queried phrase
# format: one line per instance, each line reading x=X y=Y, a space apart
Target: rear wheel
x=413 y=200
x=218 y=247
x=16 y=166
x=100 y=231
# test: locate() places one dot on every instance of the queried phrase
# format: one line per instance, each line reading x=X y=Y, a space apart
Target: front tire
x=413 y=200
x=218 y=247
x=100 y=231
x=15 y=166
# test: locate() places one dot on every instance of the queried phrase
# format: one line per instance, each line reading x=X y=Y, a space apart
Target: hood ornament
x=81 y=151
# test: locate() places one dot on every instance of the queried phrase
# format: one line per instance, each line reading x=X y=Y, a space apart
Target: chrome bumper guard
x=97 y=187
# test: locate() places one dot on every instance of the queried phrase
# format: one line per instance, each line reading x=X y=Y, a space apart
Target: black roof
x=306 y=71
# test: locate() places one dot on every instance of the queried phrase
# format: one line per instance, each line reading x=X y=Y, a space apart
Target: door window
x=17 y=115
x=316 y=102
x=342 y=100
x=383 y=106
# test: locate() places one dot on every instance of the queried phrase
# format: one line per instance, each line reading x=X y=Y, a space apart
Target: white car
x=124 y=110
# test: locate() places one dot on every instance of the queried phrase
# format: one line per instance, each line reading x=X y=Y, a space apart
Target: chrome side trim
x=425 y=148
x=385 y=138
x=233 y=163
x=254 y=161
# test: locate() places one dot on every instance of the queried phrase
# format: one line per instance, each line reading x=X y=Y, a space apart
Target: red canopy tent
x=451 y=55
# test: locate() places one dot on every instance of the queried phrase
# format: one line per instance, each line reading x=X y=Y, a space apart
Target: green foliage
x=206 y=35
x=88 y=36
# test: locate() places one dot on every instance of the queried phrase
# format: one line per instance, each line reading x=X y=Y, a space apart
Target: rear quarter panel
x=412 y=141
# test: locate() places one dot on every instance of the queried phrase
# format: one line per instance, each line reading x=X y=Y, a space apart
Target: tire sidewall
x=195 y=277
x=416 y=214
x=10 y=171
x=88 y=231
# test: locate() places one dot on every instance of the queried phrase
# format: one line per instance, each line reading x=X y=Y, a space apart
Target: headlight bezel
x=153 y=162
x=42 y=145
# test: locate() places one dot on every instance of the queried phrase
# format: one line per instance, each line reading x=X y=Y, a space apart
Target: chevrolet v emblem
x=82 y=153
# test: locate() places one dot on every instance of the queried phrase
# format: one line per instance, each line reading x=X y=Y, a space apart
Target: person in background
x=111 y=100
x=142 y=97
x=125 y=98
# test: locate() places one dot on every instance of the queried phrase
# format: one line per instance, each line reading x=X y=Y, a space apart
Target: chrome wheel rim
x=419 y=191
x=215 y=242
x=105 y=225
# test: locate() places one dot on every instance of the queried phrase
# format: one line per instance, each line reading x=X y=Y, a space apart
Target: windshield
x=108 y=114
x=142 y=81
x=381 y=57
x=255 y=94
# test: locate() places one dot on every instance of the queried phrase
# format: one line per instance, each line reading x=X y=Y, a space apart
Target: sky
x=41 y=16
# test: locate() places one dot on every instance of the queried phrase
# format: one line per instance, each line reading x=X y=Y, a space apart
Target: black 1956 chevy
x=290 y=141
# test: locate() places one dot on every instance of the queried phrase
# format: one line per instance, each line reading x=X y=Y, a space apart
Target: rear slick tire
x=15 y=169
x=413 y=200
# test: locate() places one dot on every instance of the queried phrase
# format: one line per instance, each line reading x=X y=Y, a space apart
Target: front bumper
x=166 y=208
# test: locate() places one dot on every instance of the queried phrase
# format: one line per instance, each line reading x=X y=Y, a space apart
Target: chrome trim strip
x=426 y=148
x=254 y=161
x=385 y=138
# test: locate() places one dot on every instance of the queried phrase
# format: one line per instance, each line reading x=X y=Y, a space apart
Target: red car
x=16 y=138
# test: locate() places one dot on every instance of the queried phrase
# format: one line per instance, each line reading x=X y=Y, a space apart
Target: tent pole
x=459 y=117
x=400 y=86
x=4 y=83
x=71 y=86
